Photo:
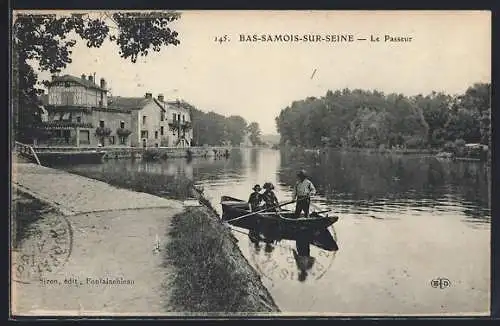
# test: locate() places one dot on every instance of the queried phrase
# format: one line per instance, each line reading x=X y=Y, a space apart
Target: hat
x=256 y=187
x=301 y=173
x=268 y=185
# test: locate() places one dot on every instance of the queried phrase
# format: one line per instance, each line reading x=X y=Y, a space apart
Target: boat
x=70 y=157
x=282 y=225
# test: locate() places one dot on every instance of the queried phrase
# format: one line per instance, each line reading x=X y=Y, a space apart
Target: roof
x=84 y=82
x=129 y=103
x=177 y=104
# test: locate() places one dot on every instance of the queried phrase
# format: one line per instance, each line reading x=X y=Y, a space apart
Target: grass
x=210 y=279
x=25 y=210
x=175 y=187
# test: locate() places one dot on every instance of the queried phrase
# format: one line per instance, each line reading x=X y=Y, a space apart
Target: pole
x=259 y=211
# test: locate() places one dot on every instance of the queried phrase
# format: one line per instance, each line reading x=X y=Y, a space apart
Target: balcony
x=58 y=124
x=180 y=125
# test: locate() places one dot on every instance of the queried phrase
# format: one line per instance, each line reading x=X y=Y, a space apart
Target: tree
x=362 y=118
x=477 y=99
x=43 y=40
x=255 y=133
x=436 y=111
x=236 y=127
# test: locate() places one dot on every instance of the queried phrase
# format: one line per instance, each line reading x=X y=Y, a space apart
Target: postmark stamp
x=45 y=250
x=280 y=262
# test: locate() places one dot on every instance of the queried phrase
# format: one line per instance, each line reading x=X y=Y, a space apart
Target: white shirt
x=304 y=189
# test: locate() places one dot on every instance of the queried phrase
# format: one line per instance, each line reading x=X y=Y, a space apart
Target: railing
x=26 y=150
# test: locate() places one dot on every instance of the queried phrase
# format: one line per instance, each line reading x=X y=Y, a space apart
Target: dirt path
x=100 y=234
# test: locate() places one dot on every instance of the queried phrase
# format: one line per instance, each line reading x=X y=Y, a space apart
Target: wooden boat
x=75 y=157
x=281 y=225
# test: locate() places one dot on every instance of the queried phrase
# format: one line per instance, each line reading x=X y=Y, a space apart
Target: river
x=403 y=221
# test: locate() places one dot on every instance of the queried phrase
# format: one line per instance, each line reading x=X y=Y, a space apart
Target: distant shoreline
x=439 y=153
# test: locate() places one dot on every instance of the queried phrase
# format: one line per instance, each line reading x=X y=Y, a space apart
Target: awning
x=57 y=117
x=54 y=125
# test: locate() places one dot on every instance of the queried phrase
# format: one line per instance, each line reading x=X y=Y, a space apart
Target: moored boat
x=280 y=225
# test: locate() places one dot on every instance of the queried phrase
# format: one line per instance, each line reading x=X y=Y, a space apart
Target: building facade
x=79 y=113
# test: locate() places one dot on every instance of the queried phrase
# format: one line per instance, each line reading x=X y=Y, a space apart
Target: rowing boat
x=281 y=224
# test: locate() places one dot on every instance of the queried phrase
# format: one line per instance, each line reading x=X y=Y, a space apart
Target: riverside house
x=156 y=122
x=80 y=113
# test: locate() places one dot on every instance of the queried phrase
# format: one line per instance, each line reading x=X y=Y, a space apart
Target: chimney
x=103 y=83
x=83 y=76
x=160 y=97
x=149 y=95
x=91 y=78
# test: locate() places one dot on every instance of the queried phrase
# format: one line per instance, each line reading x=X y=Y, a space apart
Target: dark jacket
x=270 y=198
x=254 y=200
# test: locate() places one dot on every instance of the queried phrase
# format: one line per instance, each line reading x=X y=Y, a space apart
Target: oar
x=259 y=211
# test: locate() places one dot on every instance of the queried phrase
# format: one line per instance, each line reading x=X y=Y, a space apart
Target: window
x=78 y=119
x=123 y=140
x=111 y=140
x=183 y=119
x=162 y=115
x=173 y=117
x=101 y=123
x=156 y=134
x=122 y=124
x=179 y=117
x=143 y=119
x=144 y=134
x=161 y=130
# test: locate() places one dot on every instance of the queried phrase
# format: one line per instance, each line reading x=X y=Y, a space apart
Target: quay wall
x=117 y=152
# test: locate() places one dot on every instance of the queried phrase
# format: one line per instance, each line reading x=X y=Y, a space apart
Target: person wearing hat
x=302 y=193
x=269 y=197
x=254 y=203
x=255 y=198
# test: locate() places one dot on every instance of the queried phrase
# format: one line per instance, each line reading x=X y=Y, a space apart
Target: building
x=79 y=113
x=156 y=122
x=180 y=127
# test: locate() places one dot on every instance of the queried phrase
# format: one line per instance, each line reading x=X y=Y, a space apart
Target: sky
x=449 y=51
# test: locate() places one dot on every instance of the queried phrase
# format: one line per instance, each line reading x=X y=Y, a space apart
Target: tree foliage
x=254 y=132
x=360 y=118
x=45 y=40
x=215 y=129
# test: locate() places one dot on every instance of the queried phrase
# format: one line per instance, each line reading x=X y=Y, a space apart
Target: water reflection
x=361 y=183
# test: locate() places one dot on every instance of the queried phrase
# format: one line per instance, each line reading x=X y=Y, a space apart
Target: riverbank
x=213 y=276
x=439 y=153
x=136 y=236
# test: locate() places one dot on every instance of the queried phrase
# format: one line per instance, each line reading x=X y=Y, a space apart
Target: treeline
x=372 y=119
x=215 y=129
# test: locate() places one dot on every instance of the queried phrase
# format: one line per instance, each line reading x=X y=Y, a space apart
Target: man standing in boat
x=302 y=193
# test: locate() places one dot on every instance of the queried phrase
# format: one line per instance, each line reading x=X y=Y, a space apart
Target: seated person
x=269 y=197
x=254 y=204
x=255 y=198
